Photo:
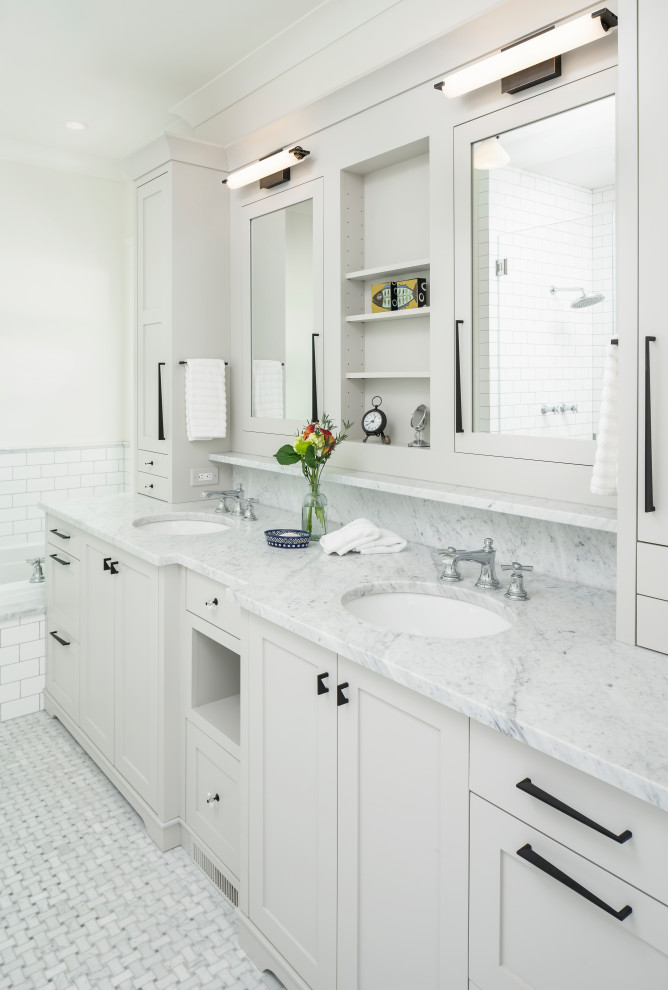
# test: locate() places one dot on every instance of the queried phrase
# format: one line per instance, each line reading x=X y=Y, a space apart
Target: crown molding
x=174 y=148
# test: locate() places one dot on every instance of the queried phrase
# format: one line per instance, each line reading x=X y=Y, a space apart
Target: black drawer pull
x=63 y=536
x=322 y=689
x=458 y=382
x=529 y=788
x=105 y=564
x=340 y=696
x=113 y=567
x=54 y=556
x=161 y=424
x=527 y=853
x=649 y=476
x=63 y=642
x=148 y=463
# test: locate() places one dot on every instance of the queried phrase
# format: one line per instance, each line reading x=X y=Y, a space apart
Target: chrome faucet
x=243 y=506
x=37 y=576
x=485 y=557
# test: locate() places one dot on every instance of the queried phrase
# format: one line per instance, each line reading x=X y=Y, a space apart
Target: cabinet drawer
x=531 y=932
x=212 y=796
x=499 y=763
x=151 y=463
x=63 y=537
x=62 y=587
x=62 y=667
x=653 y=570
x=153 y=486
x=206 y=598
x=652 y=618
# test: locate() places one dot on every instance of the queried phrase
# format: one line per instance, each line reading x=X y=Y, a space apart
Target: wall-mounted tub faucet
x=37 y=576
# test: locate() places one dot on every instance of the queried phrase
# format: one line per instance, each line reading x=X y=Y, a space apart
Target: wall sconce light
x=269 y=171
x=490 y=154
x=540 y=50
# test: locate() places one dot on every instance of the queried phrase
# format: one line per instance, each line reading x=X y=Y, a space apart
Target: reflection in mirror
x=282 y=312
x=543 y=273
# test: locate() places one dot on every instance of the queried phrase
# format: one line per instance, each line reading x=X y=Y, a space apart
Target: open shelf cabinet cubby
x=215 y=686
x=385 y=217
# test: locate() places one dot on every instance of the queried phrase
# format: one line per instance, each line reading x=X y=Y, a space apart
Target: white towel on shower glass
x=268 y=389
x=604 y=474
x=206 y=399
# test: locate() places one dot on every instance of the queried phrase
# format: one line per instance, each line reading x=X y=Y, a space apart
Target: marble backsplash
x=570 y=553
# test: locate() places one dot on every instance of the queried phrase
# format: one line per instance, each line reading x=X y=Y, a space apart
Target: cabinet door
x=137 y=645
x=403 y=832
x=292 y=800
x=530 y=932
x=153 y=312
x=652 y=219
x=62 y=667
x=96 y=700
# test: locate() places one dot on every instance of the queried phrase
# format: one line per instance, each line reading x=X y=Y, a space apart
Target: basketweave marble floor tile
x=87 y=901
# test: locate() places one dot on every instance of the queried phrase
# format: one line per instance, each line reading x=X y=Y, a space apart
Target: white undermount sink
x=427 y=614
x=175 y=524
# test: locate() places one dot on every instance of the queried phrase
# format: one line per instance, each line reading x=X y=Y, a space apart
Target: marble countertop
x=556 y=679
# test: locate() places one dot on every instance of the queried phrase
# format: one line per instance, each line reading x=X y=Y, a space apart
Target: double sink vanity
x=352 y=787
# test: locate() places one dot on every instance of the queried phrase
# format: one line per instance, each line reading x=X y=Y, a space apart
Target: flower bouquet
x=312 y=448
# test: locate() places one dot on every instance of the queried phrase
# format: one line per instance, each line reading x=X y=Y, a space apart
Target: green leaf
x=287 y=455
x=310 y=458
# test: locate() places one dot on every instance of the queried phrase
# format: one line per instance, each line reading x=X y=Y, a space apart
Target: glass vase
x=314 y=512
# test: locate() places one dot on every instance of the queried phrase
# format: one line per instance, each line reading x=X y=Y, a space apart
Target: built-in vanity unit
x=478 y=812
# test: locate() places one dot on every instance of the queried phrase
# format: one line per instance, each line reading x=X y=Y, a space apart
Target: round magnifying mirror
x=419 y=422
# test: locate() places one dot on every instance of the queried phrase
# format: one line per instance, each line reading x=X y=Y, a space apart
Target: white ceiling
x=131 y=69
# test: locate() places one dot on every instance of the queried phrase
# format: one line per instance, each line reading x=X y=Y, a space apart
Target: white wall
x=64 y=308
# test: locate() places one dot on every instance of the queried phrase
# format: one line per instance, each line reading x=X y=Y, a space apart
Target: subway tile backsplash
x=63 y=472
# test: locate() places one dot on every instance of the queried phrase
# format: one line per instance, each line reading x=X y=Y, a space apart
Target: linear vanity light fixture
x=547 y=44
x=275 y=166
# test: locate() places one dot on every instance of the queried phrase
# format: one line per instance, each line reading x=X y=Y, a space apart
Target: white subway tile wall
x=63 y=472
x=22 y=662
x=24 y=475
x=534 y=349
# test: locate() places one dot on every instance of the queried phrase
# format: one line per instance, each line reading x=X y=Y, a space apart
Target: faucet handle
x=488 y=543
x=516 y=591
x=248 y=510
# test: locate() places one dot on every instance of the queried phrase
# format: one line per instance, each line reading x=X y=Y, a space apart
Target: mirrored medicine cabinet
x=282 y=312
x=535 y=272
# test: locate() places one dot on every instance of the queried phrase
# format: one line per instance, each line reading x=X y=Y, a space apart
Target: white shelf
x=224 y=716
x=388 y=374
x=401 y=314
x=364 y=274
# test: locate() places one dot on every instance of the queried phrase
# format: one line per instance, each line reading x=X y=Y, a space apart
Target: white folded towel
x=362 y=536
x=268 y=389
x=206 y=399
x=604 y=474
x=354 y=535
x=386 y=542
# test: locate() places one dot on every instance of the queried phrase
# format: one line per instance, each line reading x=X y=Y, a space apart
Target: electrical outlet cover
x=204 y=476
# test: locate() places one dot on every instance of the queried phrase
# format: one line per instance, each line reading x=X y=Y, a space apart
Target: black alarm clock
x=374 y=421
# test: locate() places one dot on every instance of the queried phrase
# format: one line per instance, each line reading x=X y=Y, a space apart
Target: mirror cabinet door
x=283 y=254
x=535 y=274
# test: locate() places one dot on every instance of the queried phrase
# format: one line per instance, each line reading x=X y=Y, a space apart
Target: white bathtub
x=16 y=592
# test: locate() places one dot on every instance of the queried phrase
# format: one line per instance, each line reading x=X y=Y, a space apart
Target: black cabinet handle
x=314 y=381
x=151 y=486
x=527 y=853
x=113 y=567
x=161 y=424
x=54 y=556
x=148 y=463
x=340 y=696
x=649 y=476
x=322 y=689
x=63 y=642
x=63 y=536
x=106 y=562
x=529 y=788
x=458 y=382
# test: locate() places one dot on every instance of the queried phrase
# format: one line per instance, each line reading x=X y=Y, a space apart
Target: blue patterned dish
x=287 y=539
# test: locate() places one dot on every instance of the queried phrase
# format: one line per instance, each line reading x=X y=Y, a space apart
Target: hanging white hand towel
x=206 y=399
x=351 y=537
x=268 y=389
x=604 y=474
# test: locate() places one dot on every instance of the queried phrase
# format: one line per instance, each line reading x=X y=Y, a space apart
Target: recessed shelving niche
x=385 y=219
x=215 y=687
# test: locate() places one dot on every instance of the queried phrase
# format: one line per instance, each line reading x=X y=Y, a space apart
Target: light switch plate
x=204 y=476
